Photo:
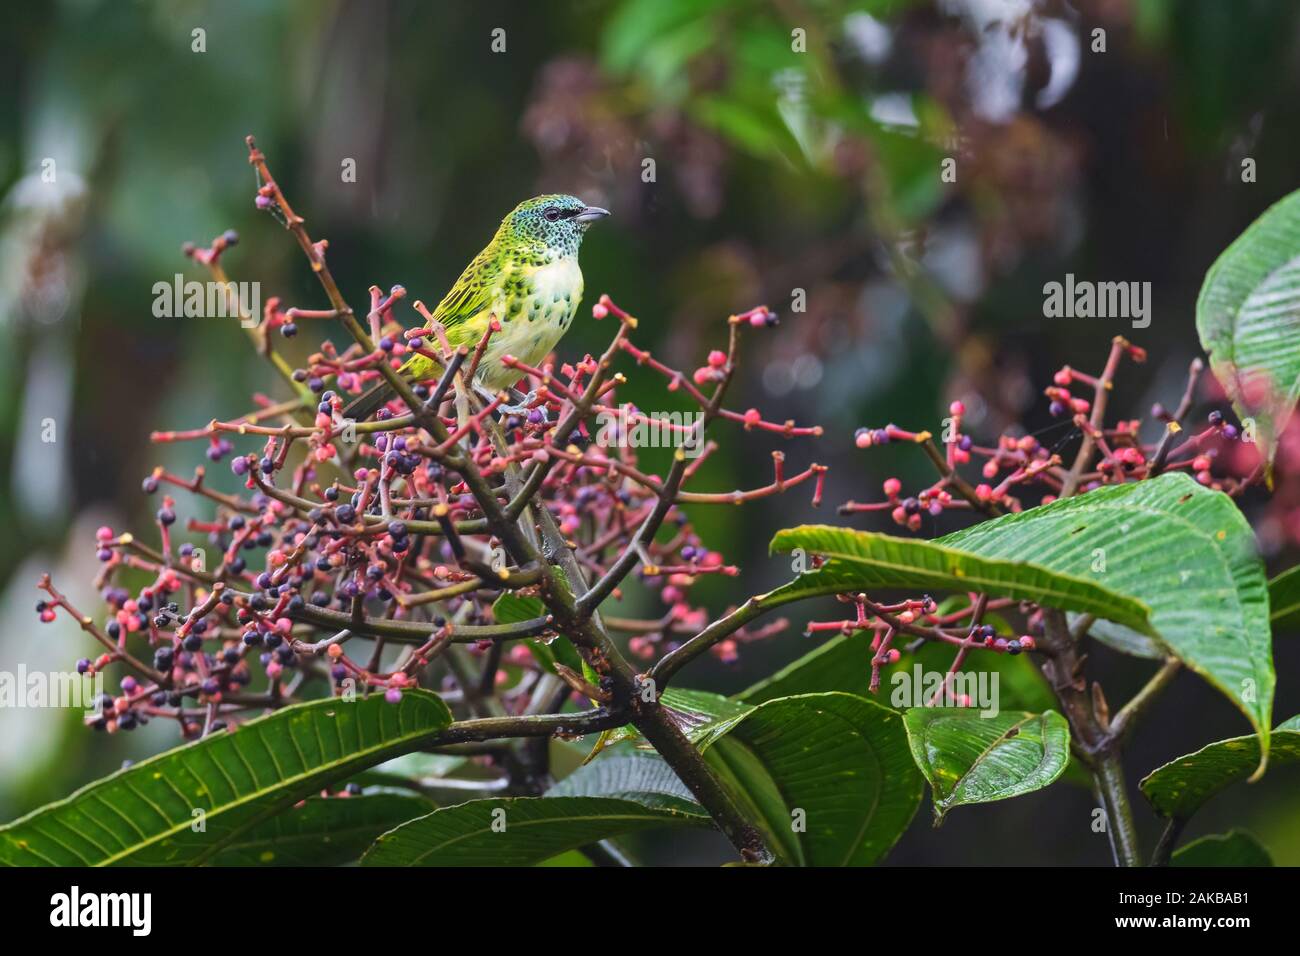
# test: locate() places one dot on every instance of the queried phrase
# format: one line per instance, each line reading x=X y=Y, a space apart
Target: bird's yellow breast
x=534 y=317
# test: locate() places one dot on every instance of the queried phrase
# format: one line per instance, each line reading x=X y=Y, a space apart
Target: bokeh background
x=774 y=171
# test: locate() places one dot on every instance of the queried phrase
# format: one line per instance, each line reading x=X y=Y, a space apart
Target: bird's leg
x=486 y=394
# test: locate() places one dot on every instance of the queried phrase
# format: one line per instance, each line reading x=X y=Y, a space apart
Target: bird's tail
x=416 y=369
x=368 y=402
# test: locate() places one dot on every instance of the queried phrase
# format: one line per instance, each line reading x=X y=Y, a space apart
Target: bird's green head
x=557 y=221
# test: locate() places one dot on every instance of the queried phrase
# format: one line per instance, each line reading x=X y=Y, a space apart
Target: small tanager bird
x=527 y=277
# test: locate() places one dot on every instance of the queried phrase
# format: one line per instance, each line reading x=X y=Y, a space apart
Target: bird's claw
x=523 y=408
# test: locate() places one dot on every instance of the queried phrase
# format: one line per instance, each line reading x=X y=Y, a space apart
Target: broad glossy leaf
x=1183 y=549
x=1180 y=787
x=323 y=831
x=1284 y=600
x=143 y=815
x=972 y=759
x=1235 y=848
x=700 y=715
x=1011 y=681
x=421 y=766
x=535 y=829
x=841 y=760
x=1248 y=317
x=842 y=663
x=569 y=858
x=1125 y=640
x=645 y=779
x=511 y=608
x=864 y=560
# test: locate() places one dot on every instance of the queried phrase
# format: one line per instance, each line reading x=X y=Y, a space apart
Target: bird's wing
x=475 y=291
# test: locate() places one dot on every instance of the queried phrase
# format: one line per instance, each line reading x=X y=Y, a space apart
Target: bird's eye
x=552 y=214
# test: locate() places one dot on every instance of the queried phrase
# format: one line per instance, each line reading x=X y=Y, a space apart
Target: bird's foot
x=523 y=408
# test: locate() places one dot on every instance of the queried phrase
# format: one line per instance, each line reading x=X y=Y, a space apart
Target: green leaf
x=841 y=760
x=1126 y=641
x=1019 y=684
x=143 y=815
x=645 y=779
x=323 y=831
x=421 y=766
x=1235 y=848
x=701 y=715
x=511 y=608
x=569 y=858
x=865 y=560
x=841 y=664
x=1248 y=317
x=1284 y=600
x=1182 y=786
x=1184 y=549
x=972 y=759
x=535 y=829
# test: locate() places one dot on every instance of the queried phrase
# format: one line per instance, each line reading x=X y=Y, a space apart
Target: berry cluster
x=358 y=554
x=958 y=623
x=1018 y=471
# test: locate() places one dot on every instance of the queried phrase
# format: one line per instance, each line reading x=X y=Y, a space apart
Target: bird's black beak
x=591 y=214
